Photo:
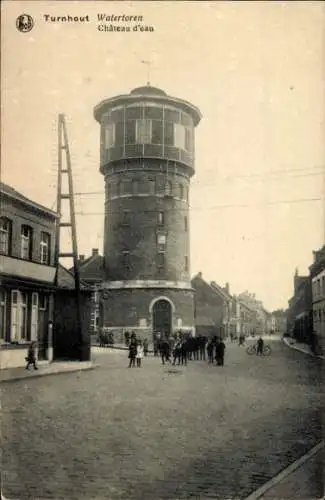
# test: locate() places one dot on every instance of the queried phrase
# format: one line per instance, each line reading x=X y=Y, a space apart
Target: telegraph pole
x=63 y=145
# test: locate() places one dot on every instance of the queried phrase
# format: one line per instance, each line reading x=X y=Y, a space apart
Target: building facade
x=299 y=313
x=147 y=160
x=261 y=315
x=27 y=273
x=317 y=274
x=243 y=319
x=212 y=308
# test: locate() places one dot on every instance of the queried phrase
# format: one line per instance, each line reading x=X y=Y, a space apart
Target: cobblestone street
x=160 y=432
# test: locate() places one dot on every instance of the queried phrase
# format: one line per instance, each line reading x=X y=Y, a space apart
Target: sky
x=254 y=69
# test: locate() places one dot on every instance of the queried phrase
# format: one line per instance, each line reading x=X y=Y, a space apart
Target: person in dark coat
x=210 y=349
x=220 y=352
x=31 y=356
x=127 y=338
x=260 y=347
x=145 y=347
x=132 y=352
x=164 y=350
x=202 y=345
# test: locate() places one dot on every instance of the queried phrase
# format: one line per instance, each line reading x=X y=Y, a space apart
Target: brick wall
x=131 y=223
x=125 y=308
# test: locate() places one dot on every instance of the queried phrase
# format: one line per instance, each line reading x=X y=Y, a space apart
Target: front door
x=162 y=317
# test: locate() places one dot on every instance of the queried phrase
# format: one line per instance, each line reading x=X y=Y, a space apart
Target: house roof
x=12 y=193
x=66 y=280
x=213 y=286
x=92 y=268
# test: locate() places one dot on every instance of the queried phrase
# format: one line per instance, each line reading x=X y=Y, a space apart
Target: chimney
x=199 y=274
x=94 y=252
x=227 y=287
x=81 y=258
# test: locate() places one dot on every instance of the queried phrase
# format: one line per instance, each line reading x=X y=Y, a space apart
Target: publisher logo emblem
x=24 y=23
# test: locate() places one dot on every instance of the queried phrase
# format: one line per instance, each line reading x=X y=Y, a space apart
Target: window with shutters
x=18 y=326
x=126 y=260
x=161 y=264
x=5 y=236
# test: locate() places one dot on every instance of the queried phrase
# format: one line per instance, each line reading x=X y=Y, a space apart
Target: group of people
x=137 y=350
x=177 y=349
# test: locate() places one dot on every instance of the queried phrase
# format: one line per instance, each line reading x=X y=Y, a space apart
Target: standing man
x=260 y=347
x=164 y=350
x=220 y=352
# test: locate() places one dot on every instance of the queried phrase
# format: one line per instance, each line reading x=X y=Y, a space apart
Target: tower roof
x=147 y=92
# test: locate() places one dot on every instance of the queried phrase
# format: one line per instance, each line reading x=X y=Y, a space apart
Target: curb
x=46 y=374
x=300 y=349
x=285 y=473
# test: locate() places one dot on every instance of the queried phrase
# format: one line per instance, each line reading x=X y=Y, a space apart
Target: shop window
x=45 y=246
x=26 y=242
x=5 y=236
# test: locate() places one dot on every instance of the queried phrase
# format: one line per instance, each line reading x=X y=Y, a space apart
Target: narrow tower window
x=143 y=131
x=186 y=263
x=109 y=135
x=179 y=136
x=161 y=218
x=185 y=223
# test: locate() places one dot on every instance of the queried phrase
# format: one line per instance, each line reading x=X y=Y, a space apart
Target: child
x=139 y=354
x=31 y=358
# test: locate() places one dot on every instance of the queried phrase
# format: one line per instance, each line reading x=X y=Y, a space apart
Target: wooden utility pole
x=63 y=145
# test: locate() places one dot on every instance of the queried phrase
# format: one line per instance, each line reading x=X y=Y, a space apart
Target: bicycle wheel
x=267 y=350
x=251 y=349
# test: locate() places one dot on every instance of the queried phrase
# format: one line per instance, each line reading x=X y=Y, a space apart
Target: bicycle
x=252 y=349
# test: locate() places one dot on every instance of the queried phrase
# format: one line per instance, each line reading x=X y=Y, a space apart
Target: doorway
x=162 y=317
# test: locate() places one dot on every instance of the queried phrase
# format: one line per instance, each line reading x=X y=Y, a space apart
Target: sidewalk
x=55 y=368
x=303 y=480
x=305 y=348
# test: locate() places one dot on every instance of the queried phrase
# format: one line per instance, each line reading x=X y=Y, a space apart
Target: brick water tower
x=147 y=159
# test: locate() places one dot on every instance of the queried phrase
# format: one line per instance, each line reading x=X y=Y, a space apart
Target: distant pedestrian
x=260 y=347
x=139 y=354
x=31 y=356
x=220 y=352
x=241 y=339
x=132 y=352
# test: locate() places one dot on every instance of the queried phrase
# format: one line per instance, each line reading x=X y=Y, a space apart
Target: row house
x=91 y=271
x=261 y=315
x=279 y=322
x=27 y=273
x=299 y=313
x=317 y=276
x=37 y=300
x=213 y=307
x=243 y=319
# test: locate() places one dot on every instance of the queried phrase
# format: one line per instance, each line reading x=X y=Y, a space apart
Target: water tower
x=147 y=159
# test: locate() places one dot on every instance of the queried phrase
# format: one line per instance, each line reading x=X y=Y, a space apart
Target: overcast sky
x=255 y=70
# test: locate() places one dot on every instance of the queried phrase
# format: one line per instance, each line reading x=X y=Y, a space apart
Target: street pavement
x=161 y=432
